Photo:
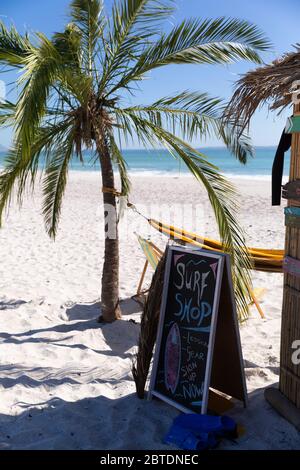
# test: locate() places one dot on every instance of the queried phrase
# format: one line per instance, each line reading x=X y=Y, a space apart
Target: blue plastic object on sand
x=200 y=432
x=187 y=440
x=221 y=426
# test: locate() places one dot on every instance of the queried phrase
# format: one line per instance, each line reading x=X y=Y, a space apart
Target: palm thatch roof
x=270 y=84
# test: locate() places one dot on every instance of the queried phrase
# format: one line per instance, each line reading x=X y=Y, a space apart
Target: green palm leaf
x=13 y=47
x=18 y=169
x=199 y=41
x=192 y=115
x=54 y=183
x=13 y=169
x=118 y=158
x=133 y=23
x=86 y=14
x=41 y=67
x=7 y=113
x=223 y=199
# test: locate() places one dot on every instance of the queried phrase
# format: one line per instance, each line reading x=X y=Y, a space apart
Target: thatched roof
x=269 y=84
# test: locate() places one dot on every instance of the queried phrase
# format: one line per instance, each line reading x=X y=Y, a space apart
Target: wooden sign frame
x=224 y=366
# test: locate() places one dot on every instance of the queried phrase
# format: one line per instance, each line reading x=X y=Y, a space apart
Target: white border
x=212 y=335
x=161 y=320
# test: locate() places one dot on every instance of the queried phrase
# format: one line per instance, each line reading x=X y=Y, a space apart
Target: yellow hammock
x=263 y=259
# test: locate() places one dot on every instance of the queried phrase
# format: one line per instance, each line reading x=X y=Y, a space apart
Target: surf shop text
x=191 y=283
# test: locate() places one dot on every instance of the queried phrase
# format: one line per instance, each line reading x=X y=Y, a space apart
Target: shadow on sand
x=11 y=304
x=110 y=416
x=91 y=423
x=92 y=311
x=123 y=423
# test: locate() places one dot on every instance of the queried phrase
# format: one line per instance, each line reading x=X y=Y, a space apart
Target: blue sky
x=277 y=18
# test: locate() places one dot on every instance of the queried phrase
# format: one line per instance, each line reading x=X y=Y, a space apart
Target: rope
x=116 y=193
x=113 y=191
x=133 y=207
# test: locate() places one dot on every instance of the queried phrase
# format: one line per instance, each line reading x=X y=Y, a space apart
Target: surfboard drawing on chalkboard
x=172 y=358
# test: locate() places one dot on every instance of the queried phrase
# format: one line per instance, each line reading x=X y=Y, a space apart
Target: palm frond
x=87 y=16
x=7 y=113
x=41 y=67
x=47 y=138
x=136 y=16
x=75 y=84
x=54 y=183
x=72 y=79
x=13 y=47
x=132 y=25
x=118 y=159
x=68 y=44
x=236 y=140
x=18 y=169
x=193 y=41
x=192 y=115
x=8 y=177
x=223 y=199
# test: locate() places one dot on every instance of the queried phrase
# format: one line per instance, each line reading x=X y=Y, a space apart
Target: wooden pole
x=289 y=383
x=287 y=398
x=256 y=303
x=139 y=289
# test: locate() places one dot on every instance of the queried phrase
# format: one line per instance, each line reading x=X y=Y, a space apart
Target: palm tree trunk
x=110 y=307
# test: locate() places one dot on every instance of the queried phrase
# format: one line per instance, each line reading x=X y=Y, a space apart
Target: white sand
x=65 y=381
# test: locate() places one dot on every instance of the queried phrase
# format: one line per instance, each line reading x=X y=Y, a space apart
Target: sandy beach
x=65 y=380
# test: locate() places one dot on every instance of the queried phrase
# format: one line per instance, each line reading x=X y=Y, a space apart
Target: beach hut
x=276 y=86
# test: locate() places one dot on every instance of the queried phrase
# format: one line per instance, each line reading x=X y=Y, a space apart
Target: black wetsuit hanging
x=277 y=169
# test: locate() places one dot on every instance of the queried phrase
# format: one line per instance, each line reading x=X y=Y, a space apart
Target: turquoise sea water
x=160 y=162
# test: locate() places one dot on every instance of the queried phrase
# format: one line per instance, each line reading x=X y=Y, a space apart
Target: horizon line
x=3 y=148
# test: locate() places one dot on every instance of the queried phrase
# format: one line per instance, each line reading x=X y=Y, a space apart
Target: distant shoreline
x=158 y=162
x=176 y=175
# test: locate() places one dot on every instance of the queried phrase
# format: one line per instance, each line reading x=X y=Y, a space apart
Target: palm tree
x=72 y=91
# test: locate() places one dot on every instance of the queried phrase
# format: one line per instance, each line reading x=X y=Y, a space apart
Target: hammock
x=263 y=259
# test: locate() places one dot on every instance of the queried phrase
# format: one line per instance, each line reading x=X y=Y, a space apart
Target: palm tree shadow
x=91 y=311
x=59 y=328
x=50 y=377
x=11 y=304
x=86 y=312
x=120 y=336
x=100 y=422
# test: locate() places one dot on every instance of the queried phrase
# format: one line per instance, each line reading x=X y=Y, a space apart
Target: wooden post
x=286 y=400
x=139 y=289
x=289 y=383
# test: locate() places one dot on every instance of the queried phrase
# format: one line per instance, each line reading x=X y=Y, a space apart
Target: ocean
x=160 y=162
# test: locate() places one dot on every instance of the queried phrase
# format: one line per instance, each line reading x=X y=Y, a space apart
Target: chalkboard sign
x=184 y=363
